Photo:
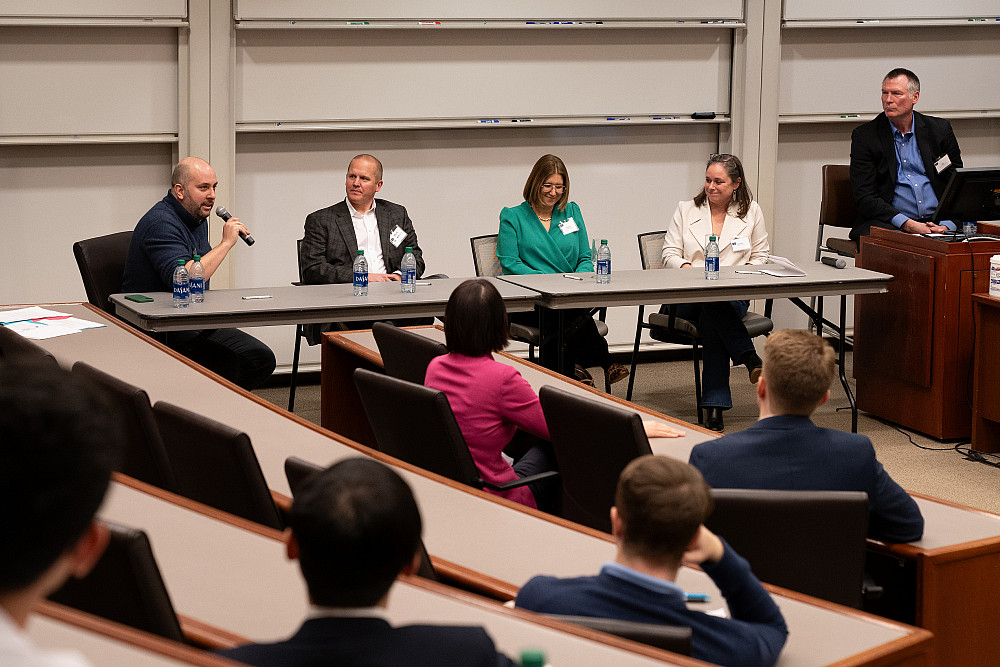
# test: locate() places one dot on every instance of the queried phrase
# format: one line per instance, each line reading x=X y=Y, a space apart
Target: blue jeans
x=723 y=338
x=233 y=354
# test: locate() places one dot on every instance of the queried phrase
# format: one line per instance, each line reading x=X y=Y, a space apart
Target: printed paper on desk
x=781 y=267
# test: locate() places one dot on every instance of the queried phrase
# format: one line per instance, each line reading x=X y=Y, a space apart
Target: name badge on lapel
x=942 y=163
x=741 y=243
x=568 y=226
x=396 y=236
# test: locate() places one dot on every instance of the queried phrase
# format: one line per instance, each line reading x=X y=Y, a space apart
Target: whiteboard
x=285 y=75
x=489 y=10
x=95 y=8
x=834 y=70
x=61 y=80
x=818 y=10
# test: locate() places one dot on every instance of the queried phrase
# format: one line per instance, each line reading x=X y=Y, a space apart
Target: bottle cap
x=181 y=262
x=532 y=658
x=361 y=251
x=712 y=238
x=604 y=241
x=197 y=258
x=409 y=249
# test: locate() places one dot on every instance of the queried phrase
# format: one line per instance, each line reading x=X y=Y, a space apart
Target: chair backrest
x=405 y=355
x=102 y=265
x=813 y=542
x=125 y=586
x=299 y=471
x=215 y=465
x=145 y=458
x=837 y=208
x=14 y=346
x=415 y=424
x=484 y=255
x=674 y=638
x=593 y=443
x=651 y=249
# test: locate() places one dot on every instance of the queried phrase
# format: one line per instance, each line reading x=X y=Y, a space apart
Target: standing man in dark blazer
x=785 y=450
x=901 y=162
x=334 y=234
x=355 y=527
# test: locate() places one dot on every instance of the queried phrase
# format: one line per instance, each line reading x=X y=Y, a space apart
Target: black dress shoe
x=713 y=419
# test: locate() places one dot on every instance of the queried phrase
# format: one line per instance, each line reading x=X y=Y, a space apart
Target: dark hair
x=357 y=525
x=546 y=166
x=734 y=170
x=661 y=502
x=475 y=319
x=912 y=82
x=58 y=445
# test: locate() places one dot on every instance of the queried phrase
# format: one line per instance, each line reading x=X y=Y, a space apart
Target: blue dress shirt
x=914 y=197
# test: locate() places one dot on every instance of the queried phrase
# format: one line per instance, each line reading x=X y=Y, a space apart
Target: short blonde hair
x=798 y=370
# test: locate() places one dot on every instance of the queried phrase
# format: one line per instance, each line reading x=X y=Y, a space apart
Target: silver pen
x=572 y=277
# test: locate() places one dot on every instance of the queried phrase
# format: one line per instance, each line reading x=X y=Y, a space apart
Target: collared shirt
x=316 y=611
x=17 y=649
x=652 y=583
x=914 y=197
x=366 y=232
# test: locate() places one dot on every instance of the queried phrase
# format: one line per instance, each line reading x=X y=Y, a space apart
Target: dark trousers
x=233 y=354
x=723 y=338
x=584 y=343
x=533 y=455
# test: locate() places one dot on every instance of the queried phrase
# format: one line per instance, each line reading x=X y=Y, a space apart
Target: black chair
x=837 y=209
x=405 y=355
x=674 y=638
x=669 y=328
x=125 y=586
x=808 y=541
x=299 y=472
x=145 y=457
x=102 y=265
x=215 y=465
x=301 y=331
x=15 y=347
x=593 y=442
x=415 y=424
x=484 y=258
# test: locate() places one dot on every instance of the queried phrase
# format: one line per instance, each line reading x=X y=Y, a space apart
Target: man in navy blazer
x=354 y=528
x=785 y=450
x=660 y=506
x=901 y=162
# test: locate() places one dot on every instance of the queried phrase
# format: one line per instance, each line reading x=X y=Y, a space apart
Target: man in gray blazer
x=334 y=234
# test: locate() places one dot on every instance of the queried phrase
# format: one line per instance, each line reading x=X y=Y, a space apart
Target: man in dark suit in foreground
x=901 y=162
x=354 y=528
x=660 y=506
x=785 y=450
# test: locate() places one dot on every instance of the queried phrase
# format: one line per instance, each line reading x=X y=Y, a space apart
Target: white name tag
x=568 y=226
x=942 y=163
x=741 y=243
x=396 y=236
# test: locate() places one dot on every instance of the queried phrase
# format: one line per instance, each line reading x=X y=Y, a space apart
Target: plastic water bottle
x=603 y=263
x=408 y=267
x=182 y=286
x=712 y=259
x=361 y=274
x=969 y=228
x=197 y=280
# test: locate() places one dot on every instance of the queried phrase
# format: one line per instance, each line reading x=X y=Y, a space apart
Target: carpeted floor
x=919 y=463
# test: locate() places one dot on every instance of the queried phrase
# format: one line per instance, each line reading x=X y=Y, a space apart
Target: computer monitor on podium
x=972 y=195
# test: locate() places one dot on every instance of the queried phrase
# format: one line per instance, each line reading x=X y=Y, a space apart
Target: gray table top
x=689 y=285
x=303 y=304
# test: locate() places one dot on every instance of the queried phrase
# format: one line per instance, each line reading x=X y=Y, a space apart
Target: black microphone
x=835 y=262
x=225 y=215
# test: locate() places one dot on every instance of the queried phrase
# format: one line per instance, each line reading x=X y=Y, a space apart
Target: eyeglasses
x=549 y=187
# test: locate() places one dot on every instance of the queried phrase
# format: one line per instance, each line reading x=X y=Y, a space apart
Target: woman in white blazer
x=725 y=209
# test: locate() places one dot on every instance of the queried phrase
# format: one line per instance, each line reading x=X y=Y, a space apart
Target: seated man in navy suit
x=353 y=529
x=785 y=450
x=660 y=505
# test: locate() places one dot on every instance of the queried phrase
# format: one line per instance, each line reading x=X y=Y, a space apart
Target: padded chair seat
x=524 y=333
x=845 y=247
x=756 y=324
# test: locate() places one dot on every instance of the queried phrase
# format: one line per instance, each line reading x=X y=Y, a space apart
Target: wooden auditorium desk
x=302 y=304
x=472 y=529
x=103 y=642
x=235 y=575
x=341 y=410
x=913 y=346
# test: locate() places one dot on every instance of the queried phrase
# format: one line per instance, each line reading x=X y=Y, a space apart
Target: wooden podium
x=986 y=396
x=913 y=345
